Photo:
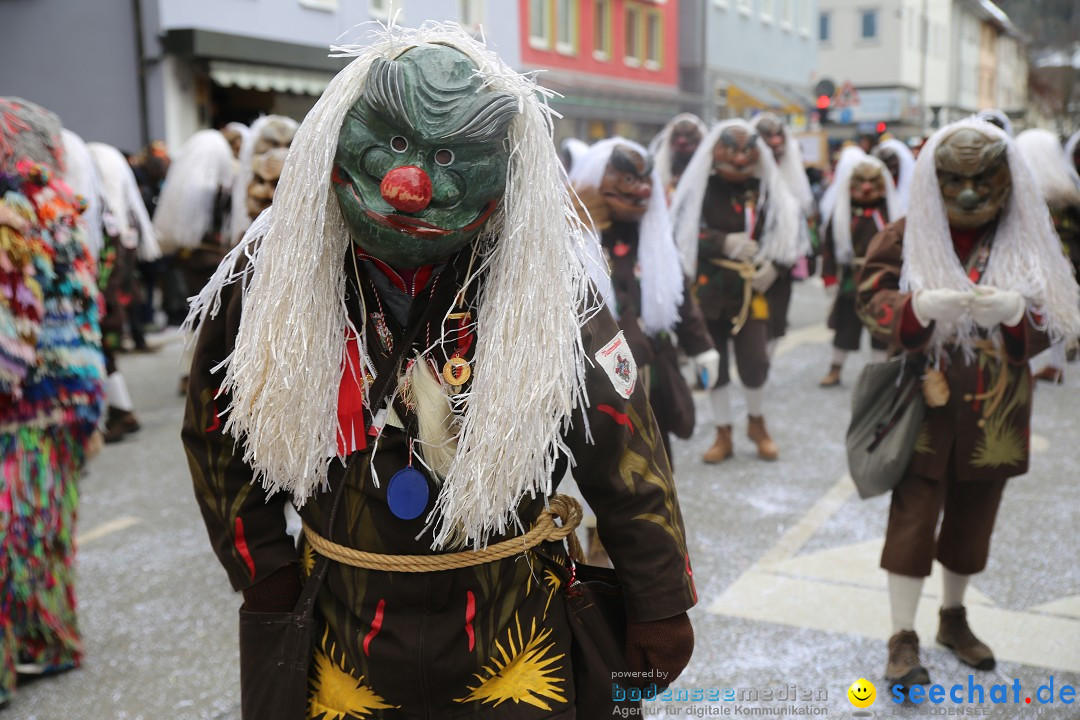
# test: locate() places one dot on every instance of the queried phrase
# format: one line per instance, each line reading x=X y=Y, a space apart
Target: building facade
x=917 y=64
x=740 y=57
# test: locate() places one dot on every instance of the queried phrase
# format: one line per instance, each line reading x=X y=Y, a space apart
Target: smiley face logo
x=862 y=693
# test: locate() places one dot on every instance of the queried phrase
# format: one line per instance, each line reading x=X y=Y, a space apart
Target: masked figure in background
x=1059 y=186
x=422 y=249
x=269 y=132
x=50 y=394
x=236 y=134
x=901 y=164
x=653 y=302
x=673 y=147
x=856 y=207
x=265 y=174
x=738 y=228
x=973 y=281
x=192 y=217
x=785 y=150
x=129 y=238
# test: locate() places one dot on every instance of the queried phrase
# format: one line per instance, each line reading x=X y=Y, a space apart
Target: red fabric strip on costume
x=621 y=418
x=410 y=280
x=241 y=545
x=351 y=434
x=470 y=614
x=376 y=625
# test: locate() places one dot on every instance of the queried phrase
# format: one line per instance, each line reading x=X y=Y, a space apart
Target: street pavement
x=785 y=559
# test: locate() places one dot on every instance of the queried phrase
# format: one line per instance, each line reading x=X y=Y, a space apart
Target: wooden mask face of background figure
x=772 y=132
x=973 y=172
x=685 y=138
x=867 y=184
x=265 y=173
x=627 y=184
x=735 y=155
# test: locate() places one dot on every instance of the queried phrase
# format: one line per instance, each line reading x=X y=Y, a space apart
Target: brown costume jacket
x=973 y=436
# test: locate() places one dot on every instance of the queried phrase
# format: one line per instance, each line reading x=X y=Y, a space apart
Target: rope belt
x=562 y=507
x=746 y=271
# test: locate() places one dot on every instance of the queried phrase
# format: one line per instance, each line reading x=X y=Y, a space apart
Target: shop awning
x=267 y=78
x=748 y=96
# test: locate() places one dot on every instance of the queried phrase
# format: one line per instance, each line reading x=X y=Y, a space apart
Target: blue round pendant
x=407 y=494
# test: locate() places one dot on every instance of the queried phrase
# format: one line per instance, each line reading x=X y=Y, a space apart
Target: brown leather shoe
x=833 y=378
x=722 y=448
x=119 y=423
x=766 y=448
x=954 y=633
x=904 y=667
x=1050 y=374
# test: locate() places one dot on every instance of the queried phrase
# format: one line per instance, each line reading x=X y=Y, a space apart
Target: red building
x=615 y=62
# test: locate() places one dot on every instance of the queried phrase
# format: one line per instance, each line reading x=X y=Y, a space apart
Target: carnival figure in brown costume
x=856 y=207
x=673 y=147
x=973 y=281
x=408 y=347
x=738 y=229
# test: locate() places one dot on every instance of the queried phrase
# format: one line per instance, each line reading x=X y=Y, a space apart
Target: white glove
x=765 y=277
x=738 y=246
x=991 y=307
x=707 y=368
x=945 y=305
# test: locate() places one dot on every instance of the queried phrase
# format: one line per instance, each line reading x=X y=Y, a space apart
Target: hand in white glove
x=765 y=277
x=944 y=305
x=991 y=307
x=707 y=368
x=739 y=247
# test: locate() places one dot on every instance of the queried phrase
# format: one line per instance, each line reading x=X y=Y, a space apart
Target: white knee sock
x=721 y=405
x=116 y=392
x=954 y=586
x=904 y=594
x=755 y=401
x=770 y=347
x=839 y=356
x=878 y=356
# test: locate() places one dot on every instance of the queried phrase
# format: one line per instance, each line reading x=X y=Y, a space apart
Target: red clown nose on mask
x=407 y=189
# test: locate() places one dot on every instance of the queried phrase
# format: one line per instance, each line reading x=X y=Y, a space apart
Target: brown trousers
x=962 y=544
x=751 y=351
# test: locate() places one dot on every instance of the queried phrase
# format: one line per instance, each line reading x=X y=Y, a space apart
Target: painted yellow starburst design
x=336 y=694
x=307 y=560
x=522 y=672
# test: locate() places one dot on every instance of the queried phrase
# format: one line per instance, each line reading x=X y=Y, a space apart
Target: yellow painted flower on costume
x=523 y=671
x=335 y=693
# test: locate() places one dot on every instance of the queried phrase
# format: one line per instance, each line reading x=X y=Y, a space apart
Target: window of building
x=868 y=26
x=824 y=26
x=632 y=27
x=787 y=14
x=540 y=24
x=654 y=39
x=566 y=26
x=472 y=14
x=602 y=29
x=768 y=11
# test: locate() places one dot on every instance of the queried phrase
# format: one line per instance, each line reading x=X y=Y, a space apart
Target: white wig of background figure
x=1026 y=255
x=529 y=367
x=836 y=202
x=572 y=151
x=661 y=272
x=1054 y=173
x=124 y=202
x=185 y=209
x=660 y=145
x=907 y=172
x=997 y=118
x=782 y=241
x=793 y=171
x=1070 y=147
x=239 y=219
x=82 y=177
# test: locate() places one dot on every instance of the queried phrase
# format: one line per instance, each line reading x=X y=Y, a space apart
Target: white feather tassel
x=437 y=425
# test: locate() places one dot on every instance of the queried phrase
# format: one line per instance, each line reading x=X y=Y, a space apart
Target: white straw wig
x=660 y=145
x=1026 y=255
x=530 y=362
x=124 y=201
x=572 y=151
x=1054 y=173
x=661 y=273
x=784 y=239
x=185 y=210
x=997 y=118
x=793 y=171
x=239 y=219
x=907 y=172
x=82 y=177
x=1070 y=147
x=836 y=202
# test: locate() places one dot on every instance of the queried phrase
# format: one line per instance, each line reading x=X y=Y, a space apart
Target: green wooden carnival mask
x=973 y=172
x=422 y=156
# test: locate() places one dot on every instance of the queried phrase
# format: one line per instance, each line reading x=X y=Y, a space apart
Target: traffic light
x=881 y=127
x=824 y=102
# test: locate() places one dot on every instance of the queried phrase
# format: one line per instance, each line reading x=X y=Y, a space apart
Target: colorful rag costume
x=423 y=198
x=51 y=375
